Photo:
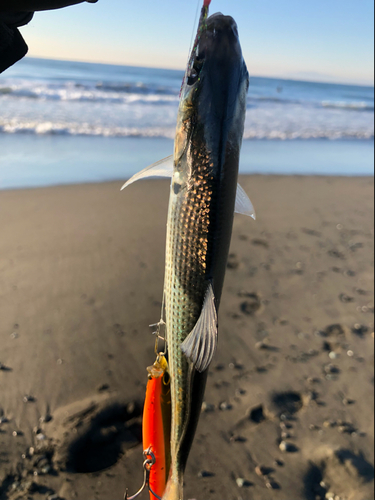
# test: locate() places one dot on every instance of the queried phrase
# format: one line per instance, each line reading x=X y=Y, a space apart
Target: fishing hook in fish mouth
x=149 y=462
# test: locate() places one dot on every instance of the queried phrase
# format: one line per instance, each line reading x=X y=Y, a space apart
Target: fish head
x=216 y=82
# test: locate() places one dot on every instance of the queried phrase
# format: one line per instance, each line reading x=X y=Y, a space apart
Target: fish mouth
x=219 y=44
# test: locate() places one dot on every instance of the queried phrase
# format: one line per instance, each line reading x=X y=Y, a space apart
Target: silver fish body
x=204 y=196
x=201 y=209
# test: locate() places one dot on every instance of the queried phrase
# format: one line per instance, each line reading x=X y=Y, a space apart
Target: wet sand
x=289 y=402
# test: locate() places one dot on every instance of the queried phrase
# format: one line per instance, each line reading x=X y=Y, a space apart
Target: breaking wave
x=87 y=129
x=43 y=97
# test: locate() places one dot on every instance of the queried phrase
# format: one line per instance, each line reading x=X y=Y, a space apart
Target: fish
x=156 y=425
x=204 y=195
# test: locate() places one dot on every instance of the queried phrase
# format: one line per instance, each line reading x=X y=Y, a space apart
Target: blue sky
x=326 y=40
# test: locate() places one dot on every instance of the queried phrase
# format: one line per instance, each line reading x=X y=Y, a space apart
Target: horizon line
x=326 y=79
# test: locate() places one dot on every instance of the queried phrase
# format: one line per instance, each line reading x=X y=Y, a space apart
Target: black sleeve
x=12 y=46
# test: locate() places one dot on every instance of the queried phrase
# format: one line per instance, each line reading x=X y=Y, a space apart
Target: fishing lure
x=156 y=430
x=157 y=423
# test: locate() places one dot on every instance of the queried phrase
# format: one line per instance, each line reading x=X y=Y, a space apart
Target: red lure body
x=157 y=424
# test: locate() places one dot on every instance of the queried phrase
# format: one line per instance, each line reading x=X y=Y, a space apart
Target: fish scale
x=189 y=249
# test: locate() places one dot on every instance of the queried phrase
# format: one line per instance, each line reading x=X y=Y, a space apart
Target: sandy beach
x=289 y=402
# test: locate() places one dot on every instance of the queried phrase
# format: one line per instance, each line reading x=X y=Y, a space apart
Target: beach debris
x=205 y=474
x=288 y=447
x=208 y=408
x=45 y=419
x=238 y=439
x=360 y=330
x=272 y=485
x=262 y=470
x=225 y=406
x=331 y=369
x=28 y=399
x=243 y=483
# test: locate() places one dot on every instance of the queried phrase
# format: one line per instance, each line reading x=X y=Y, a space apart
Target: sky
x=323 y=40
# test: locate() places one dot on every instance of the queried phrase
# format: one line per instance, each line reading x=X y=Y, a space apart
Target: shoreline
x=35 y=161
x=156 y=180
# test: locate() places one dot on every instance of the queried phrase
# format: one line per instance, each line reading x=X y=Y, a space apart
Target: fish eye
x=195 y=71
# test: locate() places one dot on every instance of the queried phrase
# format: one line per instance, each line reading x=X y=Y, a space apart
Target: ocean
x=51 y=112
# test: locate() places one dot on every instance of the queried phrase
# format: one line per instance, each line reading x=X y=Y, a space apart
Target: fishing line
x=201 y=23
x=195 y=27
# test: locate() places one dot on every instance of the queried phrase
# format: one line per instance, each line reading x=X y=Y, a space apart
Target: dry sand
x=81 y=270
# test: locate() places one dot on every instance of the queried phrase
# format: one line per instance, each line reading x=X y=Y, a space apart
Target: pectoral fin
x=201 y=344
x=162 y=168
x=243 y=204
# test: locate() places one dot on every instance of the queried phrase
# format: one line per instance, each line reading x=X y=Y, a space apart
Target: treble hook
x=149 y=462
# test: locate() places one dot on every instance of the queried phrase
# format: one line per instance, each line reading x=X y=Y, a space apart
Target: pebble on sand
x=243 y=483
x=288 y=447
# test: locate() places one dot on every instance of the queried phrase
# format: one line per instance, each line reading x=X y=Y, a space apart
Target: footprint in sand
x=340 y=474
x=93 y=436
x=252 y=305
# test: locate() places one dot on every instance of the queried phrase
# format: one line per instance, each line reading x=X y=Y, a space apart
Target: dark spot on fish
x=176 y=188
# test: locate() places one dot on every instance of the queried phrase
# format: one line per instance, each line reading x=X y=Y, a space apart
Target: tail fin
x=174 y=489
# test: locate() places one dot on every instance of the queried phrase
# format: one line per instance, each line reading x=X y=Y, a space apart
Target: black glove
x=12 y=45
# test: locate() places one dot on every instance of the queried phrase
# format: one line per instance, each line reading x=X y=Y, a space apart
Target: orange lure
x=157 y=424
